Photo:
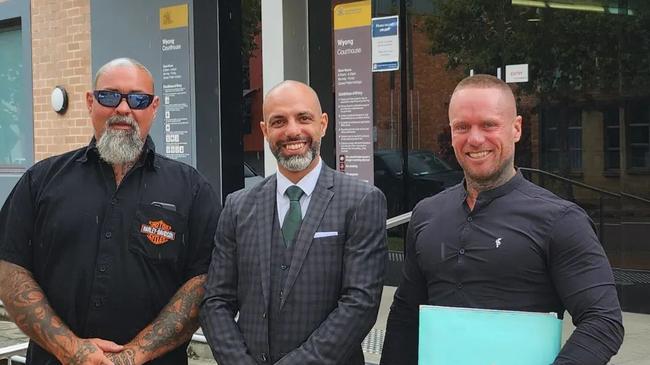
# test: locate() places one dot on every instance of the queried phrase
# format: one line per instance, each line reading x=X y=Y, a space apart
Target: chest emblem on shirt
x=158 y=232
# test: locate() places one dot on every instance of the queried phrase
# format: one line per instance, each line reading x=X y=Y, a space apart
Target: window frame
x=17 y=13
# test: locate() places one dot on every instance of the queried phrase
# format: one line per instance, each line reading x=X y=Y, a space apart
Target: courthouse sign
x=353 y=89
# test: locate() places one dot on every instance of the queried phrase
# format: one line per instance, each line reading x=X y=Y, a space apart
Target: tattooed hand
x=86 y=352
x=126 y=357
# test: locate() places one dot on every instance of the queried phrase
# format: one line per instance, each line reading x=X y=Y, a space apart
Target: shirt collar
x=148 y=156
x=307 y=183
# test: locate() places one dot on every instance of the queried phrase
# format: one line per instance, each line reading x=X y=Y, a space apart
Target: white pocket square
x=325 y=234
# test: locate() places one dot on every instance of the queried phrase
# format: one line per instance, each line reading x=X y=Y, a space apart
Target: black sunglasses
x=111 y=99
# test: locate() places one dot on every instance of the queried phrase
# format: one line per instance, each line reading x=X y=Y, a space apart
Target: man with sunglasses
x=104 y=249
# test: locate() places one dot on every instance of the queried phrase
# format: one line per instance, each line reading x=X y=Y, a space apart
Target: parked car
x=250 y=177
x=427 y=176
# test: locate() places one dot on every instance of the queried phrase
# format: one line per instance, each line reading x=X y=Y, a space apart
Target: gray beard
x=299 y=162
x=118 y=147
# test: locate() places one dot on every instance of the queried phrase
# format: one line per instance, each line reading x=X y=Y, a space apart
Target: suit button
x=469 y=219
x=462 y=251
x=263 y=357
x=108 y=235
x=459 y=285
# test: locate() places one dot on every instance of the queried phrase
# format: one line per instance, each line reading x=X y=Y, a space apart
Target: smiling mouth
x=477 y=155
x=294 y=145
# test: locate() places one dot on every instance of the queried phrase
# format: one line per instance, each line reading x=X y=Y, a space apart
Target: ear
x=516 y=125
x=263 y=128
x=90 y=99
x=324 y=120
x=154 y=105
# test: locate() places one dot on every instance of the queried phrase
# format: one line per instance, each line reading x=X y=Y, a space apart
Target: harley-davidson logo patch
x=158 y=232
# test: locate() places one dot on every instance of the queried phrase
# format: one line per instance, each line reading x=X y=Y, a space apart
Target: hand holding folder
x=469 y=336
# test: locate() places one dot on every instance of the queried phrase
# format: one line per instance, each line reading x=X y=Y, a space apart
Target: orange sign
x=158 y=232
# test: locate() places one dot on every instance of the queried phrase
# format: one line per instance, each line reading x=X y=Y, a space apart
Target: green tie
x=293 y=219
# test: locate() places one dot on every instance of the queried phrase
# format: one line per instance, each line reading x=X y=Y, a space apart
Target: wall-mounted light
x=59 y=99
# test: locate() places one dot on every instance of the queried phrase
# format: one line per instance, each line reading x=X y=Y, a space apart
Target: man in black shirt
x=498 y=241
x=108 y=244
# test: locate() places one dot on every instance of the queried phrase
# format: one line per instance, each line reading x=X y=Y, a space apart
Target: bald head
x=122 y=62
x=481 y=81
x=292 y=89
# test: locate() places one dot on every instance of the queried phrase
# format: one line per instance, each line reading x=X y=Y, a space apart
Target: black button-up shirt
x=520 y=248
x=109 y=257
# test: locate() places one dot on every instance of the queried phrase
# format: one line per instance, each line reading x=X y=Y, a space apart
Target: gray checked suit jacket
x=333 y=287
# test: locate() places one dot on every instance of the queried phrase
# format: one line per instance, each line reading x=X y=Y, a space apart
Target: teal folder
x=468 y=336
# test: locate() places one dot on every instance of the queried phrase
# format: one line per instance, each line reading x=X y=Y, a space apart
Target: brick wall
x=60 y=56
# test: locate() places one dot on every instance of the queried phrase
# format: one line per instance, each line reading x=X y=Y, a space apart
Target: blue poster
x=385 y=44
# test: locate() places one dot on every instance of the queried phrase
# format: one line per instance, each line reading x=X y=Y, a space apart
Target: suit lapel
x=265 y=208
x=320 y=199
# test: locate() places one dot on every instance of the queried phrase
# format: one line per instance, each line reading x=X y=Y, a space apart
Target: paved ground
x=635 y=349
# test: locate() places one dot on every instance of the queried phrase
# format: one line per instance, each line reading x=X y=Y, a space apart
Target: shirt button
x=469 y=219
x=281 y=292
x=264 y=315
x=114 y=201
x=98 y=303
x=461 y=251
x=459 y=285
x=283 y=267
x=108 y=235
x=102 y=268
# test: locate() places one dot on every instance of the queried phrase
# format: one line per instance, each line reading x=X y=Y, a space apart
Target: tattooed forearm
x=27 y=305
x=176 y=323
x=126 y=357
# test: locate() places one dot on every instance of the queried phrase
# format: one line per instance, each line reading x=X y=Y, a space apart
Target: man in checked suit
x=300 y=256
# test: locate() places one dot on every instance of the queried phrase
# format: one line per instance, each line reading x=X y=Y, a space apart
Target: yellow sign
x=352 y=15
x=174 y=16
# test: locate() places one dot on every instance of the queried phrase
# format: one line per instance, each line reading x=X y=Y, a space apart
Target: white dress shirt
x=307 y=184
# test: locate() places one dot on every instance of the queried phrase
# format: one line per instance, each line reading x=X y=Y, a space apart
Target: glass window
x=584 y=104
x=612 y=141
x=638 y=121
x=14 y=113
x=562 y=131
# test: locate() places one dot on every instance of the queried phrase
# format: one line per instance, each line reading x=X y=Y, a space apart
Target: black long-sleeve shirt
x=520 y=248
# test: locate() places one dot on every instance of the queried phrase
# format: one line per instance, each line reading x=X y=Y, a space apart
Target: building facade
x=585 y=100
